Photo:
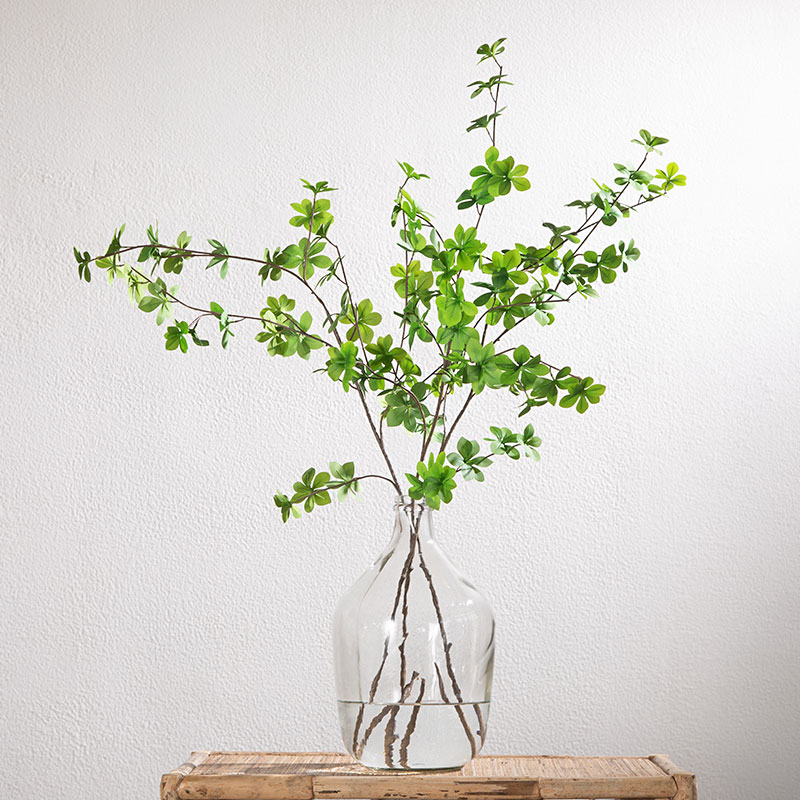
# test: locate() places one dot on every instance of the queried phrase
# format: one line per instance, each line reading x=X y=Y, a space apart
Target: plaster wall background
x=644 y=574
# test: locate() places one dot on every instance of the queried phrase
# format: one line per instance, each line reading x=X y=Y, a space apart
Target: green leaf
x=504 y=442
x=341 y=363
x=434 y=481
x=196 y=339
x=467 y=460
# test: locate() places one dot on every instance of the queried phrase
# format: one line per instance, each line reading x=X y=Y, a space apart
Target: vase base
x=413 y=736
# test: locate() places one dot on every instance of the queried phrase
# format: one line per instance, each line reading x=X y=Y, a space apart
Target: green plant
x=457 y=300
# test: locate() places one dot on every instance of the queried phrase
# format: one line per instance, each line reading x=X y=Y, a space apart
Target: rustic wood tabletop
x=306 y=776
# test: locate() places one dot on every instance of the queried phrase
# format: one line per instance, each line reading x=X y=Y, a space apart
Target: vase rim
x=404 y=501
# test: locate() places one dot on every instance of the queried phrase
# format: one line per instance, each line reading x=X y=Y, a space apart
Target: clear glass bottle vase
x=413 y=651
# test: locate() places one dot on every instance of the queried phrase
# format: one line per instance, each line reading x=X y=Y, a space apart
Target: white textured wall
x=644 y=574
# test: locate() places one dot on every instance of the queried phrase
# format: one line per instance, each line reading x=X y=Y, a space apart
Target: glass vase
x=413 y=651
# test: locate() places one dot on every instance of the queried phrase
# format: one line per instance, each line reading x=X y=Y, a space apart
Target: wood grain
x=246 y=787
x=586 y=788
x=663 y=762
x=685 y=782
x=171 y=780
x=335 y=776
x=431 y=787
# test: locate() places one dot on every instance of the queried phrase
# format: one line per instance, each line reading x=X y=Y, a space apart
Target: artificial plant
x=458 y=301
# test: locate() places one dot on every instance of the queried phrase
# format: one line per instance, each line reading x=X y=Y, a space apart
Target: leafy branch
x=458 y=299
x=314 y=488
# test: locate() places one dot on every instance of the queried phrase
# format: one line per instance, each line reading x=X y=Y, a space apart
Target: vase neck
x=412 y=518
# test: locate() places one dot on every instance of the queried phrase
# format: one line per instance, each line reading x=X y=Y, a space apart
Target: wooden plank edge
x=481 y=757
x=430 y=785
x=526 y=756
x=245 y=786
x=685 y=782
x=309 y=753
x=618 y=787
x=170 y=780
x=665 y=762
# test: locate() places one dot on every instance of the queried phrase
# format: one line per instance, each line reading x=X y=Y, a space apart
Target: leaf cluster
x=495 y=178
x=315 y=488
x=457 y=298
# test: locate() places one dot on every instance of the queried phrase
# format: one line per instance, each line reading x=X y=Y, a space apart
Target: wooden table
x=333 y=776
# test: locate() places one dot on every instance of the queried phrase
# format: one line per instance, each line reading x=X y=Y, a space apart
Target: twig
x=390 y=737
x=446 y=439
x=412 y=726
x=446 y=646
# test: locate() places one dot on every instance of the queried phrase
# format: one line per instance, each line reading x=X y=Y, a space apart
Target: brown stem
x=390 y=737
x=207 y=254
x=446 y=646
x=206 y=312
x=588 y=221
x=399 y=385
x=180 y=302
x=379 y=440
x=440 y=681
x=465 y=725
x=443 y=389
x=427 y=439
x=302 y=279
x=392 y=710
x=356 y=728
x=402 y=646
x=481 y=723
x=353 y=306
x=592 y=226
x=456 y=420
x=402 y=588
x=480 y=216
x=412 y=726
x=459 y=710
x=496 y=99
x=403 y=573
x=376 y=435
x=339 y=484
x=377 y=719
